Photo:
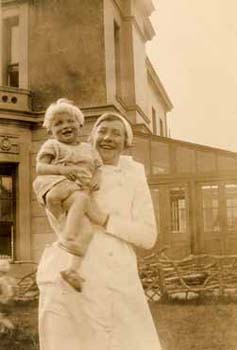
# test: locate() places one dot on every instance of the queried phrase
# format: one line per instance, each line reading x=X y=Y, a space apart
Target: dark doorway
x=7 y=209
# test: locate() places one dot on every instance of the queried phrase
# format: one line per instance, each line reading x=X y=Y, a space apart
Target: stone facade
x=92 y=52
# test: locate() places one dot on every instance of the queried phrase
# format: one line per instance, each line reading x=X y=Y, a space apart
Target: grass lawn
x=197 y=325
x=194 y=325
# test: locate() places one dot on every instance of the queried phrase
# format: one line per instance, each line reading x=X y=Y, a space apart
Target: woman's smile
x=110 y=140
x=107 y=146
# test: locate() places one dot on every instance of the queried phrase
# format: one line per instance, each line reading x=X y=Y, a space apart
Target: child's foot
x=72 y=278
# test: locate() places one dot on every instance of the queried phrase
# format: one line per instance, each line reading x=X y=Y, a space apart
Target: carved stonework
x=6 y=144
x=9 y=144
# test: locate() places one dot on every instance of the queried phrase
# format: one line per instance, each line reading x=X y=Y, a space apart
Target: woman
x=111 y=312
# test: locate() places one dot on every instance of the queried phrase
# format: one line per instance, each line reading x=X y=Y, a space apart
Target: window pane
x=231 y=206
x=154 y=125
x=155 y=199
x=210 y=208
x=178 y=208
x=14 y=44
x=6 y=210
x=161 y=128
x=5 y=240
x=5 y=187
x=7 y=207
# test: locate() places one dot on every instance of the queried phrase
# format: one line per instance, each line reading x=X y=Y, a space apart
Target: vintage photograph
x=118 y=175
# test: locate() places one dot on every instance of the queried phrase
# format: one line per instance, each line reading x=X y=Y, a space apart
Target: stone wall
x=66 y=52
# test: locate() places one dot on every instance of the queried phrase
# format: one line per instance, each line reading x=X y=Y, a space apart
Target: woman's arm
x=141 y=229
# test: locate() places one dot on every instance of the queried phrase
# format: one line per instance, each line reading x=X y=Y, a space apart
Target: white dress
x=111 y=313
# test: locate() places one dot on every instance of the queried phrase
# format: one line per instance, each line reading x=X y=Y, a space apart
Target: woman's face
x=109 y=140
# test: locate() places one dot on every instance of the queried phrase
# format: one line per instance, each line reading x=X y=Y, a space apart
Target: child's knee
x=77 y=198
x=52 y=199
x=80 y=197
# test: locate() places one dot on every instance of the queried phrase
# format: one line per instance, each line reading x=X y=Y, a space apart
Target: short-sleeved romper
x=82 y=155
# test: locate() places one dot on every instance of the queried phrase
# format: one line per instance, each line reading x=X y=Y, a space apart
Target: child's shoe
x=72 y=278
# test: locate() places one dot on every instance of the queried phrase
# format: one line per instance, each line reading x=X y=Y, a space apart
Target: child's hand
x=95 y=184
x=70 y=173
x=95 y=181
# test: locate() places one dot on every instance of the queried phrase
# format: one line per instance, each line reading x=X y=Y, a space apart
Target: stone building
x=93 y=52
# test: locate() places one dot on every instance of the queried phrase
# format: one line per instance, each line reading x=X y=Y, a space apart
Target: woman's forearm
x=140 y=229
x=139 y=233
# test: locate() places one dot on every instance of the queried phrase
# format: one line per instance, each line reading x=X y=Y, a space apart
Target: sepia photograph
x=118 y=175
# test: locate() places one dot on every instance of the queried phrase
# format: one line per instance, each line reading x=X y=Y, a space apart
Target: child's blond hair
x=62 y=106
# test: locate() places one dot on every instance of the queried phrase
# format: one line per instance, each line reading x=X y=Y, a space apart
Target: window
x=14 y=20
x=11 y=49
x=154 y=124
x=7 y=210
x=13 y=67
x=161 y=127
x=231 y=206
x=210 y=208
x=178 y=207
x=117 y=54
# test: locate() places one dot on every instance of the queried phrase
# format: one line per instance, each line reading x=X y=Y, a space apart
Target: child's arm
x=96 y=180
x=44 y=167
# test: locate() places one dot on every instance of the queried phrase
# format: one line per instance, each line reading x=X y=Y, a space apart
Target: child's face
x=65 y=128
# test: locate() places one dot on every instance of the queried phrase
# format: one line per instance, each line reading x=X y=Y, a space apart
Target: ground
x=192 y=325
x=197 y=325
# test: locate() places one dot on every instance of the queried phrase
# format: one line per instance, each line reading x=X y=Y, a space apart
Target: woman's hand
x=95 y=214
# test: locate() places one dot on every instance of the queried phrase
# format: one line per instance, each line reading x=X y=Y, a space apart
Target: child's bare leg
x=54 y=202
x=75 y=206
x=77 y=236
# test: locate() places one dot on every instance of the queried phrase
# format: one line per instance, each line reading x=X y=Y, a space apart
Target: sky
x=195 y=55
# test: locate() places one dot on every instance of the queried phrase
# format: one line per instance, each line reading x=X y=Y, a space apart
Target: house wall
x=114 y=12
x=70 y=53
x=66 y=52
x=18 y=136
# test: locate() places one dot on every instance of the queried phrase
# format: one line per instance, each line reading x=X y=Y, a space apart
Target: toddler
x=68 y=171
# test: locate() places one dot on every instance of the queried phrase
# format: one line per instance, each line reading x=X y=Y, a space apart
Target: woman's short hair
x=59 y=107
x=109 y=116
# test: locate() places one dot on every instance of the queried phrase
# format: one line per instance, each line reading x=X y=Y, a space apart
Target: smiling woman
x=110 y=138
x=111 y=311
